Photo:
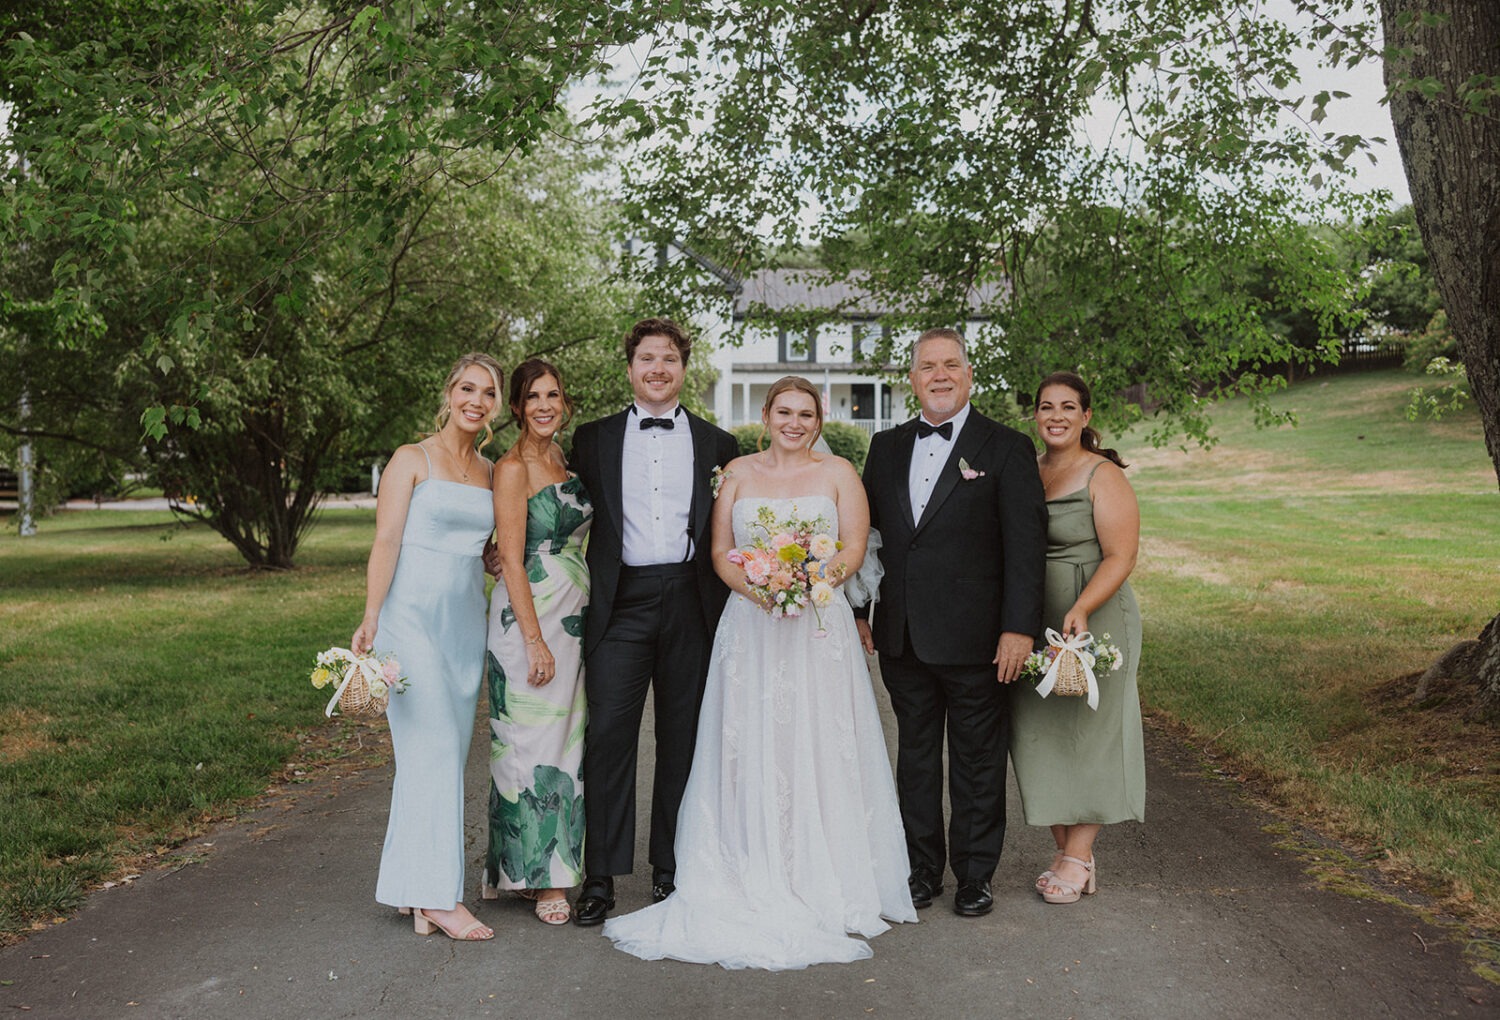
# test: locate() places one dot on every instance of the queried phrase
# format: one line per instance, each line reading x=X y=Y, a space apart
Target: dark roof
x=783 y=289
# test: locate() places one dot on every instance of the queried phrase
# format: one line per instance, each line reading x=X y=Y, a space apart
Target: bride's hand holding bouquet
x=787 y=565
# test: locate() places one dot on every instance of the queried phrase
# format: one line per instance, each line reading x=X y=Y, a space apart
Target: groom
x=653 y=606
x=963 y=525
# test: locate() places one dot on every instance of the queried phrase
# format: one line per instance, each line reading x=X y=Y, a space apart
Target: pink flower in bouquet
x=390 y=670
x=757 y=566
x=736 y=557
x=783 y=564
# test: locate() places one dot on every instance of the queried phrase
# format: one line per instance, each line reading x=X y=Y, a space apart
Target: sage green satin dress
x=1075 y=765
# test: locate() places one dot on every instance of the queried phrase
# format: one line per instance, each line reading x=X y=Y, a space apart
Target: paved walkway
x=1198 y=915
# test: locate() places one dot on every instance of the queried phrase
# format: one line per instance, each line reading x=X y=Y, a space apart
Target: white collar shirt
x=928 y=455
x=657 y=489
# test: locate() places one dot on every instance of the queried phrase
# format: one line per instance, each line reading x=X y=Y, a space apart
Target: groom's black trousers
x=975 y=709
x=657 y=639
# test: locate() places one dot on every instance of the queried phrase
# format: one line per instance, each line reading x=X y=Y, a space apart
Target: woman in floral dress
x=535 y=660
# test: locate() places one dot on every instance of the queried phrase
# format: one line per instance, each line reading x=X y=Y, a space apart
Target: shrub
x=848 y=441
x=747 y=436
x=1436 y=341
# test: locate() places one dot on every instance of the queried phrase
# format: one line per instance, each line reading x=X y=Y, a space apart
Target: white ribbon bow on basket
x=1079 y=645
x=355 y=668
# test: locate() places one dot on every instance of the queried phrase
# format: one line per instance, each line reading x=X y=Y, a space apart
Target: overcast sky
x=1363 y=114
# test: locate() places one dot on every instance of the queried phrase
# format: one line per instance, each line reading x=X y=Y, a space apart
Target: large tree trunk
x=1452 y=158
x=1487 y=670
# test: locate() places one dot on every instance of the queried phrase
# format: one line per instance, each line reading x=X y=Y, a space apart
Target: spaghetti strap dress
x=1074 y=765
x=433 y=620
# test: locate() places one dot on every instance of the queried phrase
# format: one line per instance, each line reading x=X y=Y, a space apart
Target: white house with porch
x=836 y=356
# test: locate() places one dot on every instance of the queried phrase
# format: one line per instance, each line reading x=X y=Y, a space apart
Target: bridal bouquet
x=365 y=682
x=1067 y=665
x=785 y=564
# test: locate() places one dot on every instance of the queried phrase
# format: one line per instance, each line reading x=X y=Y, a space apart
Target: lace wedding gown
x=789 y=837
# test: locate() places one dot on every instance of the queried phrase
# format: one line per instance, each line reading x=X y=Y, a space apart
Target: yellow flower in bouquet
x=369 y=680
x=785 y=565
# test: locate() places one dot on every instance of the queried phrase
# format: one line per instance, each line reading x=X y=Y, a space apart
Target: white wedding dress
x=789 y=837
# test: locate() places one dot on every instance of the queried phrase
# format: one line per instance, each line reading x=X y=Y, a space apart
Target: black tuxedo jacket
x=598 y=457
x=973 y=566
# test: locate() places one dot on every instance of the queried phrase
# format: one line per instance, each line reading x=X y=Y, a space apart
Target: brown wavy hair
x=1090 y=439
x=521 y=380
x=658 y=327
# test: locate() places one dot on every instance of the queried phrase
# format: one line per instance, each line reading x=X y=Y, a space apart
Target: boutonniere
x=969 y=474
x=716 y=482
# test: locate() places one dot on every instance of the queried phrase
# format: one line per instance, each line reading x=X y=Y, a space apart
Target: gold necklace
x=1048 y=477
x=444 y=447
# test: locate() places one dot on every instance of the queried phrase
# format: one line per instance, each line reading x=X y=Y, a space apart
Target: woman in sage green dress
x=1079 y=769
x=535 y=660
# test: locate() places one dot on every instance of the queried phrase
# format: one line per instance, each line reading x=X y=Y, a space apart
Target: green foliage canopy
x=286 y=219
x=938 y=155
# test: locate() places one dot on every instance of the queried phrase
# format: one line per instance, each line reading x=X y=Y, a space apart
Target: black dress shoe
x=973 y=899
x=924 y=884
x=663 y=884
x=595 y=902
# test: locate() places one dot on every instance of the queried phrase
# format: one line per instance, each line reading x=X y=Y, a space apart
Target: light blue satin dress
x=433 y=620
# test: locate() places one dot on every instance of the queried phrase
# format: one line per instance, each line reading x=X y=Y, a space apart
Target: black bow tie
x=924 y=430
x=658 y=423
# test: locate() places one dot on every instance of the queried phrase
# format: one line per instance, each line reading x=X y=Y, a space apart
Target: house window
x=797 y=345
x=862 y=401
x=866 y=341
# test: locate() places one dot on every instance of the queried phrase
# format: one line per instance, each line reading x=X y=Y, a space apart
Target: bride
x=789 y=837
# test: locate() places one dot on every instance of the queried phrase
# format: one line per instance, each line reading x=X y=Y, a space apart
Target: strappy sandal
x=492 y=892
x=468 y=933
x=1072 y=891
x=558 y=911
x=1045 y=878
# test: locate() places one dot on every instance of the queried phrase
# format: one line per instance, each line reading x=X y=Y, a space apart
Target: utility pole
x=27 y=490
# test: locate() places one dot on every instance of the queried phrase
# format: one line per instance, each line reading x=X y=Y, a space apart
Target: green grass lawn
x=149 y=683
x=1289 y=580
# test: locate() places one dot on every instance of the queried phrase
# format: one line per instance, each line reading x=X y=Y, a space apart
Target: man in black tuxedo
x=963 y=524
x=654 y=602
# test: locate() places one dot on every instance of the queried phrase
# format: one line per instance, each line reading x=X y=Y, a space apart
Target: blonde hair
x=782 y=385
x=497 y=374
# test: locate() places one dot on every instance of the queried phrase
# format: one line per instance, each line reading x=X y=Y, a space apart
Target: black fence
x=1358 y=357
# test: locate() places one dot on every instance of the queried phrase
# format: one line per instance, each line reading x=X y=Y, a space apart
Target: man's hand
x=865 y=637
x=491 y=558
x=1010 y=655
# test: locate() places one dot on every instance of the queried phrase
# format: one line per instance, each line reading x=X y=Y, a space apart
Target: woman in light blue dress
x=424 y=603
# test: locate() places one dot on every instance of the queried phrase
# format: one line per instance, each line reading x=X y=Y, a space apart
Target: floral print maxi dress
x=536 y=733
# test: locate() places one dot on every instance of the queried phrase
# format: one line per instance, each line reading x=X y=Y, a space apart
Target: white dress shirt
x=658 y=490
x=928 y=456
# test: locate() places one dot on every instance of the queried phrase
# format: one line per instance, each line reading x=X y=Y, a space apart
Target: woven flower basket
x=1071 y=680
x=357 y=700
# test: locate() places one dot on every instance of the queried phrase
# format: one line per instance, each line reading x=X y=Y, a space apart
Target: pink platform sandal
x=1072 y=891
